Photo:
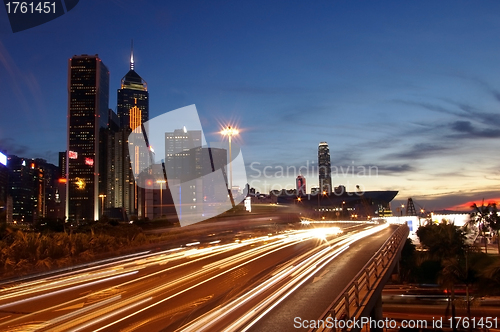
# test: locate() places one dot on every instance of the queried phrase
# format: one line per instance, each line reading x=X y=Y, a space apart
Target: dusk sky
x=410 y=88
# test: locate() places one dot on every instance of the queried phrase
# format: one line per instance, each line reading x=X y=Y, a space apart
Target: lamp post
x=161 y=182
x=230 y=132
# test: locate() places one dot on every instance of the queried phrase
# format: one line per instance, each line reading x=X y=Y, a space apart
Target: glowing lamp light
x=230 y=131
x=62 y=180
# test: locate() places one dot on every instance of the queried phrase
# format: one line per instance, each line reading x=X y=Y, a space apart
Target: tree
x=486 y=217
x=446 y=243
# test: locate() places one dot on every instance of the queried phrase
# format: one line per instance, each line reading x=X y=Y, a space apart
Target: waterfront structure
x=345 y=205
x=324 y=168
x=88 y=97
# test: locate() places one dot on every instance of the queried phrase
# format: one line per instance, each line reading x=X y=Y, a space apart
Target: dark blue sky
x=411 y=88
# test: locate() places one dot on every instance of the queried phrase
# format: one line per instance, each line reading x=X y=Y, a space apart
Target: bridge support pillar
x=377 y=314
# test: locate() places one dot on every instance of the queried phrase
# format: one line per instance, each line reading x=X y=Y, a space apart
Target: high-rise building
x=88 y=98
x=27 y=189
x=301 y=185
x=133 y=113
x=183 y=154
x=324 y=168
x=110 y=141
x=133 y=99
x=62 y=163
x=186 y=161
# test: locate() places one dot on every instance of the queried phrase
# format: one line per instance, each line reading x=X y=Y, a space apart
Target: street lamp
x=161 y=182
x=230 y=132
x=318 y=194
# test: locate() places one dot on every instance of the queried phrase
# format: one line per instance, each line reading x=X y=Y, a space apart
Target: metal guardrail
x=352 y=300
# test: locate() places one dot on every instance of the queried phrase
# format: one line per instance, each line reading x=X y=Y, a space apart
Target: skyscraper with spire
x=133 y=98
x=133 y=112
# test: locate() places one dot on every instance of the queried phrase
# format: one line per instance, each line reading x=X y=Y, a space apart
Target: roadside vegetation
x=49 y=246
x=52 y=244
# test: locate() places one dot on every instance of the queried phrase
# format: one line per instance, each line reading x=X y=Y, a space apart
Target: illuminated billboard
x=3 y=159
x=72 y=155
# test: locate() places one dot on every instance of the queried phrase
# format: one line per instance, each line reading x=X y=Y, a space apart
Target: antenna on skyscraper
x=132 y=56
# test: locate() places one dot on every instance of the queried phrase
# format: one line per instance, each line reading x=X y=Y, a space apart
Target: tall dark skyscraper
x=324 y=168
x=133 y=111
x=133 y=99
x=88 y=98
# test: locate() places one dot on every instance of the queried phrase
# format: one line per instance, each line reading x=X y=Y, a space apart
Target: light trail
x=297 y=276
x=304 y=265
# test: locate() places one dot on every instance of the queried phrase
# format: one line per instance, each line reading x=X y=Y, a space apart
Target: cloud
x=9 y=146
x=418 y=151
x=395 y=169
x=466 y=129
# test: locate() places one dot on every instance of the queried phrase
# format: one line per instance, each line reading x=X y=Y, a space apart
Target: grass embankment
x=23 y=252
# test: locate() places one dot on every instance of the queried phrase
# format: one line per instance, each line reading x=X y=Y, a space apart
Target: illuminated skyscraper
x=324 y=168
x=133 y=99
x=133 y=112
x=88 y=97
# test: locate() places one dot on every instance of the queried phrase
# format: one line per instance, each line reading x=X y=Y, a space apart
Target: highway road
x=209 y=285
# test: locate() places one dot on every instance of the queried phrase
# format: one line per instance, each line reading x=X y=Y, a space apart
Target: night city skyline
x=411 y=89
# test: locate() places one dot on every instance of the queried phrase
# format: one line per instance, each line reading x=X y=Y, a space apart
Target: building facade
x=88 y=98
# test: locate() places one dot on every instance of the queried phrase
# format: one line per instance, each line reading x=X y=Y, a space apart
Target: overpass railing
x=352 y=301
